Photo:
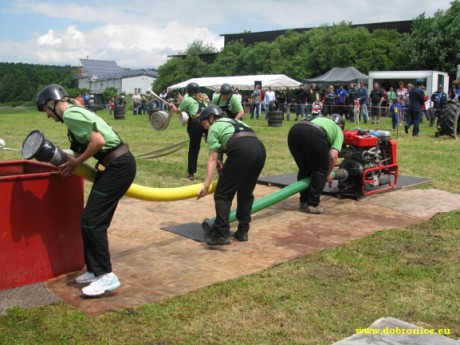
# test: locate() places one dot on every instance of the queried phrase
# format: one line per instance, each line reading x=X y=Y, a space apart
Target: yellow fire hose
x=148 y=193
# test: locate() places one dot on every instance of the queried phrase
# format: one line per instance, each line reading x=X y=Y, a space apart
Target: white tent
x=339 y=74
x=244 y=82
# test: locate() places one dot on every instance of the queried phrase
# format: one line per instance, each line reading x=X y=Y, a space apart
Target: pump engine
x=369 y=158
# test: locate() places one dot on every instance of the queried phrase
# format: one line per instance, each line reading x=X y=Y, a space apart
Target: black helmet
x=193 y=88
x=226 y=89
x=339 y=120
x=51 y=92
x=211 y=109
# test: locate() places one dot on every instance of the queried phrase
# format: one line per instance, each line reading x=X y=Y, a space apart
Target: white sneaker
x=101 y=284
x=87 y=277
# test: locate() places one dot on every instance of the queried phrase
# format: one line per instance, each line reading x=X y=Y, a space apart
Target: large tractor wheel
x=448 y=120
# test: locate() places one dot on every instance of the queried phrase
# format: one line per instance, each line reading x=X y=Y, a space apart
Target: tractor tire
x=448 y=121
x=119 y=112
x=275 y=118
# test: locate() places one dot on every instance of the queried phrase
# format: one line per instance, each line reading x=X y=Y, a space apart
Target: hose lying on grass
x=163 y=151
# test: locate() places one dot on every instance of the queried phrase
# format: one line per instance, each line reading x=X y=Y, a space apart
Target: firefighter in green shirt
x=315 y=145
x=245 y=160
x=192 y=106
x=91 y=136
x=229 y=103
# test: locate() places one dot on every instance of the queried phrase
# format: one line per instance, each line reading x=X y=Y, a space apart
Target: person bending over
x=245 y=160
x=91 y=136
x=315 y=146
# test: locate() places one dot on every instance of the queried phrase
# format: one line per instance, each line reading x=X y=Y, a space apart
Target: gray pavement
x=33 y=295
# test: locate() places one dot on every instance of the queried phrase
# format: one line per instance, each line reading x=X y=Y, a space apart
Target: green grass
x=409 y=273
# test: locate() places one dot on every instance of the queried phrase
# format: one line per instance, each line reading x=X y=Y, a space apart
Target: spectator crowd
x=354 y=101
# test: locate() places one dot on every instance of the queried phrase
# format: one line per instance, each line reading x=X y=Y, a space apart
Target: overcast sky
x=140 y=34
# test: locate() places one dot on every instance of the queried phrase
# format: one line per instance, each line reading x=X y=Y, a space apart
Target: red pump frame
x=392 y=169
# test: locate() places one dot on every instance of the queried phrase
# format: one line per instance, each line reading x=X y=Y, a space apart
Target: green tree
x=110 y=92
x=198 y=47
x=21 y=82
x=178 y=69
x=229 y=60
x=434 y=42
x=256 y=59
x=170 y=73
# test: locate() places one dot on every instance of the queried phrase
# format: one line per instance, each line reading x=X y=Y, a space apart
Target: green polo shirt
x=234 y=106
x=190 y=105
x=220 y=133
x=81 y=122
x=333 y=131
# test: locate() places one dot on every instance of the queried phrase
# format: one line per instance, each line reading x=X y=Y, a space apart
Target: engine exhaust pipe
x=384 y=179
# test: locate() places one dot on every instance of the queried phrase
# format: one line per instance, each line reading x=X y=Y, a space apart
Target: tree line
x=433 y=44
x=21 y=82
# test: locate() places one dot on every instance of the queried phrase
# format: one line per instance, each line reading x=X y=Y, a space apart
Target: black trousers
x=350 y=111
x=108 y=188
x=245 y=161
x=310 y=149
x=328 y=109
x=195 y=132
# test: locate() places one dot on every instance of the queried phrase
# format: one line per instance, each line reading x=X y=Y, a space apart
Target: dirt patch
x=154 y=264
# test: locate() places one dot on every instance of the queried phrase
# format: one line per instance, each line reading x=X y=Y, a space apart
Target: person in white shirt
x=136 y=103
x=269 y=97
x=238 y=95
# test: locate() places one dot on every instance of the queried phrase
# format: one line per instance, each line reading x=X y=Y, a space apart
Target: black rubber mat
x=189 y=230
x=33 y=295
x=196 y=233
x=287 y=179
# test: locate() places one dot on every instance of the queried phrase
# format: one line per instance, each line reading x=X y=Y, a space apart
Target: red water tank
x=40 y=210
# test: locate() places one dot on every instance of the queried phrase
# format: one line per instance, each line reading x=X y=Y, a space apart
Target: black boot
x=213 y=240
x=241 y=235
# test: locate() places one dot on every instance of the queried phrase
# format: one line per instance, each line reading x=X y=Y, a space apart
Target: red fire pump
x=369 y=159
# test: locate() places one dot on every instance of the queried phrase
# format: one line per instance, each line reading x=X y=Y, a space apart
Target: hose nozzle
x=339 y=174
x=207 y=225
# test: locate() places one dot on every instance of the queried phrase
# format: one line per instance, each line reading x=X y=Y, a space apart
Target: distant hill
x=21 y=82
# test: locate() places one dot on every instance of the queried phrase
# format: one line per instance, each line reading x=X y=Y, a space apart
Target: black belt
x=241 y=134
x=103 y=163
x=313 y=125
x=321 y=129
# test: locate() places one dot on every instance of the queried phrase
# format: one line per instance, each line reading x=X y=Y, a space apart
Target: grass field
x=409 y=273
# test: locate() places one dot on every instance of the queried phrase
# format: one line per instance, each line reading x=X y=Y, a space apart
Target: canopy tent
x=244 y=82
x=339 y=74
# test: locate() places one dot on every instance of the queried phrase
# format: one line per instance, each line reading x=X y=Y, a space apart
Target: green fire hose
x=275 y=197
